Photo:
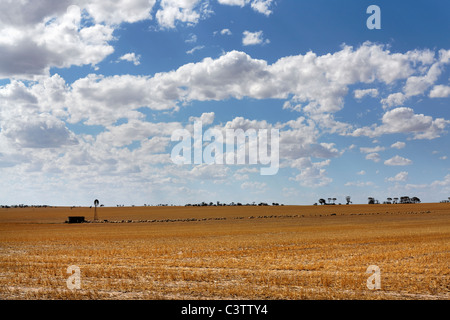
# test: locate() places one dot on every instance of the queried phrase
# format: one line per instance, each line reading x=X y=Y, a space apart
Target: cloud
x=29 y=13
x=47 y=34
x=404 y=120
x=192 y=38
x=99 y=100
x=359 y=184
x=188 y=12
x=62 y=41
x=359 y=94
x=117 y=12
x=90 y=100
x=261 y=6
x=240 y=177
x=298 y=145
x=394 y=99
x=440 y=91
x=206 y=118
x=375 y=157
x=16 y=92
x=402 y=176
x=308 y=80
x=202 y=172
x=299 y=139
x=366 y=64
x=372 y=150
x=398 y=161
x=226 y=32
x=312 y=174
x=196 y=48
x=398 y=145
x=442 y=183
x=441 y=187
x=288 y=106
x=131 y=57
x=418 y=84
x=248 y=170
x=245 y=124
x=253 y=185
x=135 y=130
x=43 y=131
x=30 y=117
x=319 y=83
x=239 y=3
x=253 y=38
x=235 y=74
x=223 y=32
x=361 y=173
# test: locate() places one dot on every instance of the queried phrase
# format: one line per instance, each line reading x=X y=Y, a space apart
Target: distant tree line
x=401 y=200
x=26 y=206
x=372 y=200
x=324 y=202
x=210 y=204
x=219 y=204
x=446 y=201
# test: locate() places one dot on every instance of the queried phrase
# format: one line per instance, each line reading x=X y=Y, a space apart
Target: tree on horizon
x=347 y=198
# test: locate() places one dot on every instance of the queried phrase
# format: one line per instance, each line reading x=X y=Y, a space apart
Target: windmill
x=95 y=209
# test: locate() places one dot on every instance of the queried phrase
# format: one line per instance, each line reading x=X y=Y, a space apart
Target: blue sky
x=91 y=92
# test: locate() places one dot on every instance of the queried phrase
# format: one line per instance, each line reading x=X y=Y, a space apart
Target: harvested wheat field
x=249 y=252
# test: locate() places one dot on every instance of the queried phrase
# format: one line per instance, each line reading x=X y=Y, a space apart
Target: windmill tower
x=95 y=210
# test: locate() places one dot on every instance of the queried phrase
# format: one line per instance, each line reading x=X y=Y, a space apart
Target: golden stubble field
x=282 y=252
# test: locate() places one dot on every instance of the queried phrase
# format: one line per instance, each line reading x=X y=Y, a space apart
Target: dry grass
x=289 y=252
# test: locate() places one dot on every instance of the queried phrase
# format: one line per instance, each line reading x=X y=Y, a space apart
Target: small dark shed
x=76 y=220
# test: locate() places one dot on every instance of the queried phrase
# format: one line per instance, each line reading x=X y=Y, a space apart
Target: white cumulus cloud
x=189 y=12
x=360 y=93
x=131 y=57
x=398 y=145
x=62 y=41
x=401 y=176
x=398 y=161
x=440 y=91
x=261 y=6
x=404 y=120
x=253 y=38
